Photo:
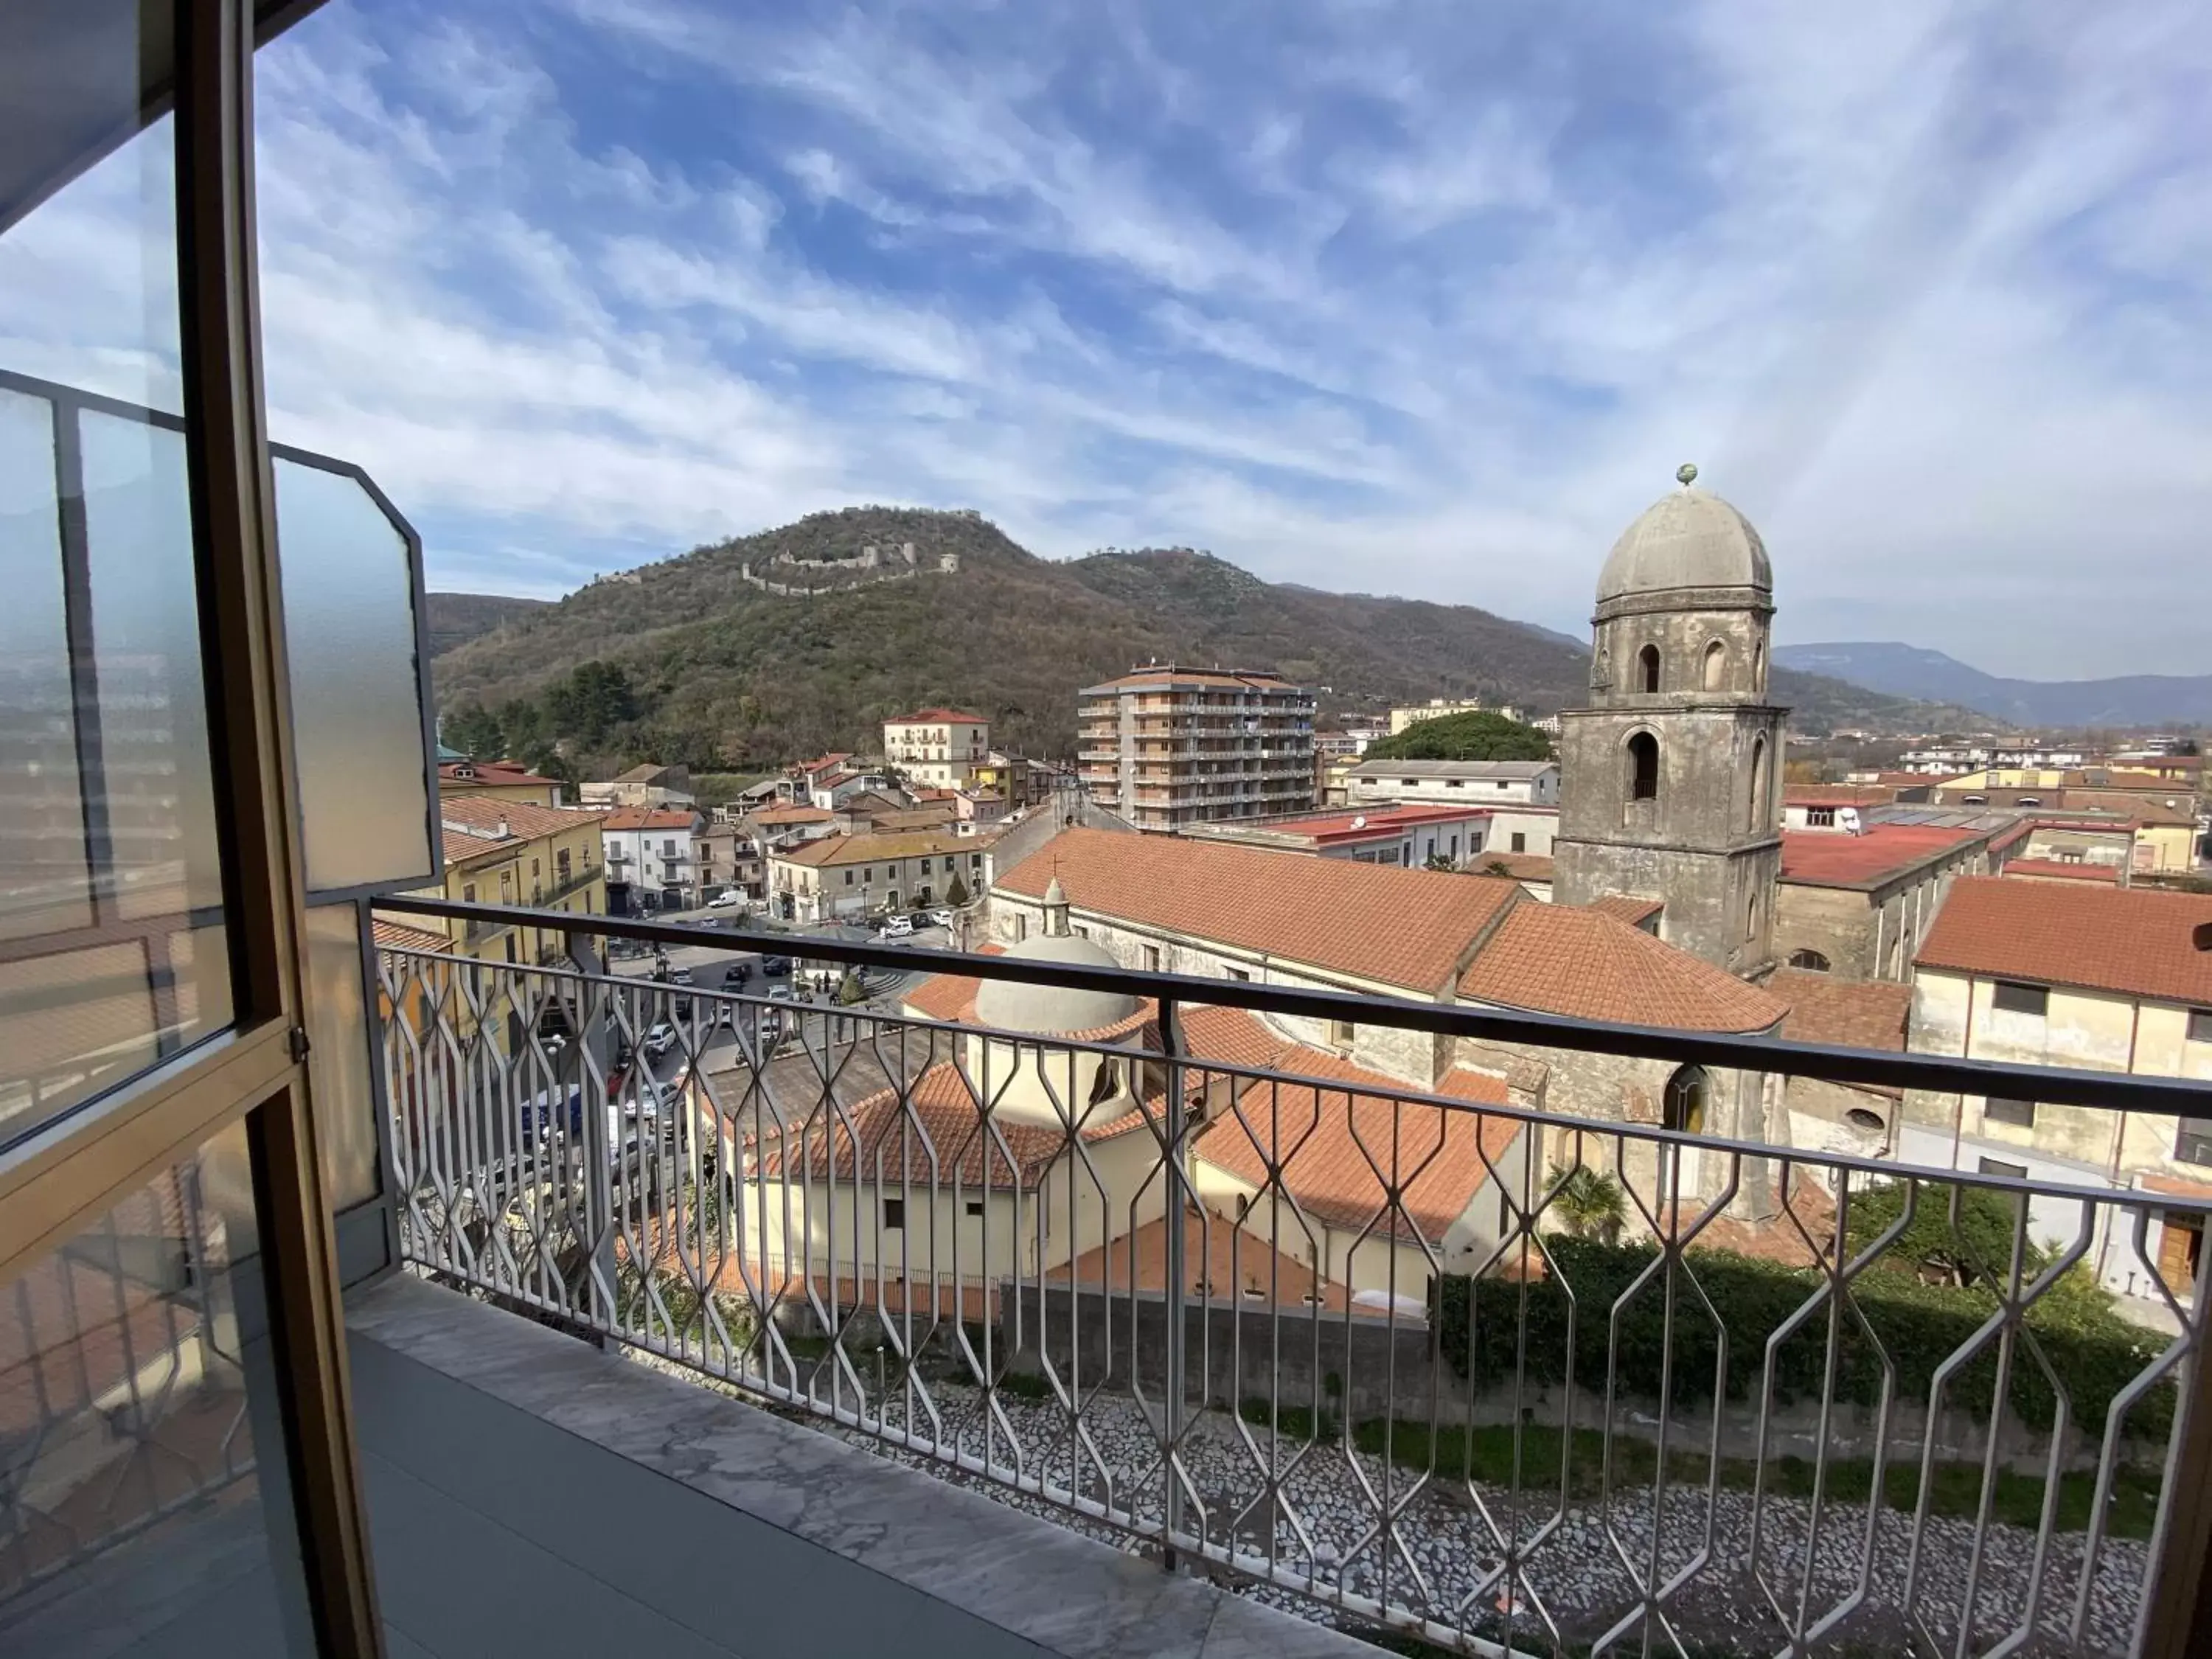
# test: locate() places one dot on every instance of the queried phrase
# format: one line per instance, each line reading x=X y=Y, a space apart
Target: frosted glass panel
x=357 y=694
x=338 y=1056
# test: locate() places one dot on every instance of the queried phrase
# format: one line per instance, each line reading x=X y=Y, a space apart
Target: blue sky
x=1426 y=299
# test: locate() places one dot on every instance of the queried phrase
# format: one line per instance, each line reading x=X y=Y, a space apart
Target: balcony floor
x=530 y=1494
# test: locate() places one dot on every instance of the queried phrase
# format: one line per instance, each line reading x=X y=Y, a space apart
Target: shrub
x=1479 y=1328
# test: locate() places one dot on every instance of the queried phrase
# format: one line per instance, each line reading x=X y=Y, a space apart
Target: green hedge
x=1479 y=1330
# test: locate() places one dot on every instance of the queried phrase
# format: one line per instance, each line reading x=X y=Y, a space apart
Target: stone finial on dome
x=1687 y=474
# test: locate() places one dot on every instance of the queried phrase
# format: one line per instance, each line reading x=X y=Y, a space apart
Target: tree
x=1480 y=735
x=1497 y=867
x=476 y=732
x=1590 y=1204
x=1973 y=1247
x=1438 y=861
x=850 y=989
x=956 y=894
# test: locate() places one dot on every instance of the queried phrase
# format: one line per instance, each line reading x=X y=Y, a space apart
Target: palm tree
x=1589 y=1203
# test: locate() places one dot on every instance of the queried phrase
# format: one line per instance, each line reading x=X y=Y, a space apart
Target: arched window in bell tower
x=1715 y=674
x=1647 y=668
x=1643 y=767
x=1759 y=668
x=1759 y=811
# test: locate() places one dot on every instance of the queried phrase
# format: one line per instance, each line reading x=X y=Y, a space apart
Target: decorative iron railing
x=1506 y=1380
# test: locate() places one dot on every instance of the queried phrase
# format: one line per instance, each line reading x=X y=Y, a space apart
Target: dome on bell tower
x=1688 y=538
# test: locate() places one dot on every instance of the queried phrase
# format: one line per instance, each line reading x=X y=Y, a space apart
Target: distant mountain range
x=457 y=618
x=1909 y=670
x=805 y=638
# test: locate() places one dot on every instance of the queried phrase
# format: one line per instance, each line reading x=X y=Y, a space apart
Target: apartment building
x=1475 y=783
x=1408 y=837
x=939 y=746
x=842 y=878
x=497 y=780
x=2080 y=975
x=513 y=852
x=649 y=850
x=1164 y=746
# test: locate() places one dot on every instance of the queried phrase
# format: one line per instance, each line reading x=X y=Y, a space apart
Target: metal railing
x=1507 y=1380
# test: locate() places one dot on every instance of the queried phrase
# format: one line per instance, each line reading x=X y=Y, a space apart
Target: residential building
x=1019 y=781
x=649 y=853
x=1410 y=837
x=1668 y=775
x=1438 y=707
x=1164 y=746
x=497 y=780
x=832 y=789
x=1856 y=902
x=648 y=784
x=850 y=877
x=1831 y=805
x=729 y=856
x=2078 y=975
x=940 y=746
x=1472 y=783
x=786 y=826
x=513 y=853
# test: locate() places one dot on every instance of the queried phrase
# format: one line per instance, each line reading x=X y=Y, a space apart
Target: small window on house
x=893 y=1213
x=1021 y=928
x=1520 y=842
x=2192 y=1141
x=1811 y=960
x=1997 y=1166
x=2007 y=997
x=1716 y=666
x=1647 y=668
x=848 y=878
x=2019 y=1113
x=1152 y=958
x=975 y=1207
x=1644 y=767
x=1859 y=1118
x=1975 y=800
x=468 y=894
x=2200 y=1024
x=1237 y=974
x=1340 y=1032
x=1819 y=818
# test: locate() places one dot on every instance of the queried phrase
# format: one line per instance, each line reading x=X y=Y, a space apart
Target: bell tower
x=1668 y=777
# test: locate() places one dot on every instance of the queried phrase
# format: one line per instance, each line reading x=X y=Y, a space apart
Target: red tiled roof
x=2060 y=870
x=1522 y=867
x=650 y=818
x=892 y=1148
x=1834 y=860
x=1337 y=1148
x=458 y=847
x=1837 y=794
x=833 y=850
x=1582 y=962
x=1220 y=1260
x=793 y=815
x=947 y=996
x=398 y=936
x=2128 y=939
x=1400 y=928
x=1856 y=1013
x=501 y=772
x=820 y=763
x=1632 y=910
x=1360 y=823
x=522 y=819
x=938 y=717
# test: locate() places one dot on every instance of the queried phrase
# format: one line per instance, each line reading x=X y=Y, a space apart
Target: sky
x=1424 y=299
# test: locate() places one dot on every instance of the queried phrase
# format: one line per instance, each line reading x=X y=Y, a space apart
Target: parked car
x=775 y=967
x=679 y=976
x=782 y=993
x=941 y=919
x=736 y=974
x=728 y=899
x=896 y=928
x=660 y=1039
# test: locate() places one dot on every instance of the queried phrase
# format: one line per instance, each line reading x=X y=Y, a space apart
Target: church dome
x=1051 y=1010
x=1687 y=538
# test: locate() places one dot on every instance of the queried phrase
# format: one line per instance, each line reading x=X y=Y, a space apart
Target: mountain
x=1909 y=670
x=802 y=639
x=457 y=618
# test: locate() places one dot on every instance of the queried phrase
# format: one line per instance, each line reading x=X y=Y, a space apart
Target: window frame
x=2014 y=996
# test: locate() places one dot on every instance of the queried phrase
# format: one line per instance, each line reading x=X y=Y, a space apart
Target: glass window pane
x=339 y=1057
x=111 y=943
x=356 y=688
x=144 y=1509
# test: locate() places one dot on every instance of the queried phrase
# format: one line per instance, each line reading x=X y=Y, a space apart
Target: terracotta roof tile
x=2060 y=870
x=1630 y=909
x=938 y=717
x=498 y=772
x=650 y=818
x=398 y=936
x=1863 y=1013
x=1521 y=866
x=1832 y=859
x=1405 y=928
x=522 y=818
x=892 y=1147
x=2128 y=939
x=833 y=850
x=1580 y=961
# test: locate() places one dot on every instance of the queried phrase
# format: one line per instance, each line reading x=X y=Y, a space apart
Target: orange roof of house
x=1856 y=1013
x=1521 y=866
x=2128 y=939
x=1221 y=1260
x=2062 y=869
x=1630 y=909
x=1583 y=962
x=650 y=818
x=492 y=772
x=398 y=936
x=522 y=818
x=793 y=815
x=1821 y=859
x=938 y=717
x=458 y=847
x=861 y=849
x=1338 y=1148
x=1360 y=822
x=1837 y=794
x=1406 y=928
x=892 y=1147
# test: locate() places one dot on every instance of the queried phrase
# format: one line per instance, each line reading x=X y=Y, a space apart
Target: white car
x=728 y=899
x=941 y=919
x=660 y=1039
x=896 y=927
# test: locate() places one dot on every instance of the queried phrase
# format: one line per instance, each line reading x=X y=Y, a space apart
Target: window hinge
x=296 y=1045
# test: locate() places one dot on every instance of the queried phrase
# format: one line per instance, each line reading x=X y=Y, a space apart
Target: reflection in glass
x=356 y=689
x=140 y=1434
x=337 y=1056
